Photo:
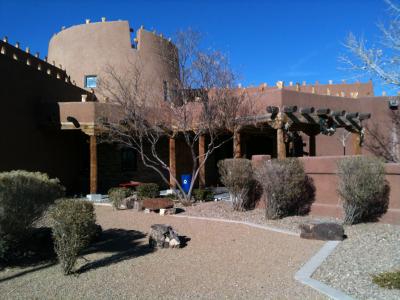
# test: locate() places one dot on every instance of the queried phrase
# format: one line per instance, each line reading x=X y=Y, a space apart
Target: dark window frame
x=86 y=80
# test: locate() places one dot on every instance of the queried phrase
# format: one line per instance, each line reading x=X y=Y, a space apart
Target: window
x=128 y=160
x=90 y=81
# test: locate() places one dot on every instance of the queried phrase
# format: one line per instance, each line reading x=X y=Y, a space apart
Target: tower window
x=90 y=81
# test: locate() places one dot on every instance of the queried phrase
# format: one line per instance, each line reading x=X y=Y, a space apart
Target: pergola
x=309 y=120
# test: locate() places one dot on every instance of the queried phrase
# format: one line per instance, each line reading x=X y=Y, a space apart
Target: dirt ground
x=220 y=260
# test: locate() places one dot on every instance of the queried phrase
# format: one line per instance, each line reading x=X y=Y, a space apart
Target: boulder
x=322 y=231
x=163 y=236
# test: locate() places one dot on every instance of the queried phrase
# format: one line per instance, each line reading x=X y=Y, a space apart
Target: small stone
x=322 y=231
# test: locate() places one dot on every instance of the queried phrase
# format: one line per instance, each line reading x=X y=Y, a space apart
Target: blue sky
x=266 y=41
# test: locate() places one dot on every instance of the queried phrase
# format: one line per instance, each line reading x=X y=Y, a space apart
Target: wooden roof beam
x=307 y=110
x=289 y=109
x=364 y=116
x=323 y=111
x=338 y=113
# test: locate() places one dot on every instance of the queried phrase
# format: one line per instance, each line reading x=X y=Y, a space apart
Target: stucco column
x=280 y=143
x=172 y=162
x=237 y=151
x=202 y=173
x=357 y=144
x=312 y=150
x=93 y=164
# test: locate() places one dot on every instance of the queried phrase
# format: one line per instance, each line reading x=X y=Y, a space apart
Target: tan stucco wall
x=88 y=49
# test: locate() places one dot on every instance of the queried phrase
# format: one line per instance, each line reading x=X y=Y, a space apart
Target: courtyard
x=219 y=260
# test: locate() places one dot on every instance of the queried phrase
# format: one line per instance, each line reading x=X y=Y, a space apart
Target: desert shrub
x=363 y=189
x=24 y=197
x=289 y=191
x=148 y=190
x=237 y=176
x=117 y=195
x=389 y=280
x=73 y=225
x=202 y=195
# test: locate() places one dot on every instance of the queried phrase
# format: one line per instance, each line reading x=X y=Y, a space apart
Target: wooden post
x=280 y=143
x=93 y=164
x=172 y=162
x=202 y=173
x=280 y=139
x=237 y=152
x=357 y=143
x=312 y=151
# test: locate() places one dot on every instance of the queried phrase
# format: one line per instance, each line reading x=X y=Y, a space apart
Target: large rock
x=163 y=236
x=322 y=231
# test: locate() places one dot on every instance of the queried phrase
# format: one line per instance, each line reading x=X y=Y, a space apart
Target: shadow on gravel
x=184 y=240
x=123 y=244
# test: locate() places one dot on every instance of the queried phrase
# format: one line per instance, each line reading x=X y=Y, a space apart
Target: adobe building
x=49 y=112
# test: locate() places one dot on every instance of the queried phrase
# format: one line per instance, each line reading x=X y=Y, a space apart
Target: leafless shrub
x=289 y=191
x=363 y=189
x=237 y=176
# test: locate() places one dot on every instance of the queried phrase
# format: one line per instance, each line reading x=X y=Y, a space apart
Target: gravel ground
x=220 y=260
x=223 y=210
x=369 y=249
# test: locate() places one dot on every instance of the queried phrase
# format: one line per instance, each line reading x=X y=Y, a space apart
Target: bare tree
x=343 y=135
x=203 y=102
x=382 y=61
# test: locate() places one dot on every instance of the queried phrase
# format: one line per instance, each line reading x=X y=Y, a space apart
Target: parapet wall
x=323 y=170
x=32 y=61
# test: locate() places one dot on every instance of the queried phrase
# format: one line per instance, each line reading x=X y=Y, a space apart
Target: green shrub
x=389 y=280
x=363 y=189
x=117 y=195
x=73 y=225
x=148 y=190
x=288 y=190
x=202 y=195
x=24 y=197
x=237 y=176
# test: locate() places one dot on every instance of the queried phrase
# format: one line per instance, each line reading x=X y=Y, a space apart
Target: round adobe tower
x=86 y=50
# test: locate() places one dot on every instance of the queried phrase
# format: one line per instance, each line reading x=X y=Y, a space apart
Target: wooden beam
x=307 y=110
x=290 y=109
x=237 y=151
x=364 y=116
x=172 y=162
x=202 y=173
x=323 y=111
x=93 y=164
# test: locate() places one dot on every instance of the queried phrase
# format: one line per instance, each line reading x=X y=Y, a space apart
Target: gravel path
x=220 y=261
x=223 y=210
x=369 y=249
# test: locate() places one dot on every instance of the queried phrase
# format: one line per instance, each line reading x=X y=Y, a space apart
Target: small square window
x=90 y=81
